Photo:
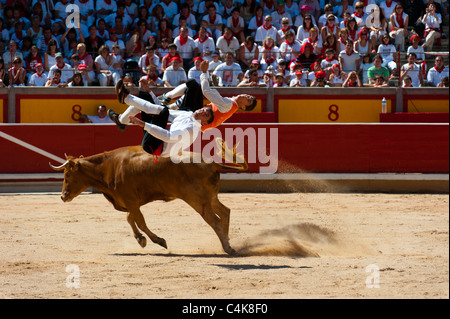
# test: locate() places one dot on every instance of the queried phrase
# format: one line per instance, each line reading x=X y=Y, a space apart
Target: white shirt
x=262 y=33
x=101 y=4
x=228 y=74
x=435 y=77
x=187 y=50
x=207 y=46
x=171 y=9
x=98 y=120
x=223 y=104
x=349 y=61
x=66 y=72
x=174 y=77
x=420 y=54
x=194 y=74
x=36 y=80
x=431 y=21
x=223 y=46
x=182 y=132
x=414 y=74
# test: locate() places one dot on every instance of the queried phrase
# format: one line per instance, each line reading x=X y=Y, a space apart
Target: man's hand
x=204 y=66
x=136 y=121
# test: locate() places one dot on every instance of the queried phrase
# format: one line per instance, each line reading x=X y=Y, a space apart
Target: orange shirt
x=219 y=117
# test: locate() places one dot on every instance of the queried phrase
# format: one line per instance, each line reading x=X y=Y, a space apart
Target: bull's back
x=141 y=175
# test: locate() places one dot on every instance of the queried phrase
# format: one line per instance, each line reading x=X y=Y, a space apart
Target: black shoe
x=121 y=91
x=164 y=99
x=115 y=118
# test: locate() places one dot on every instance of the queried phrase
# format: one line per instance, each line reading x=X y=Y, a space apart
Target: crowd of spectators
x=249 y=43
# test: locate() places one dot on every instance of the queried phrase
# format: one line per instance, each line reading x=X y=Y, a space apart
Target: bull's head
x=73 y=186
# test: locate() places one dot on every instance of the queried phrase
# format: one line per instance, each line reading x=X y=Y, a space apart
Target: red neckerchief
x=147 y=60
x=211 y=21
x=352 y=34
x=285 y=30
x=46 y=40
x=400 y=21
x=350 y=52
x=61 y=67
x=439 y=70
x=352 y=85
x=183 y=41
x=202 y=41
x=108 y=2
x=95 y=39
x=330 y=30
x=329 y=60
x=311 y=41
x=84 y=56
x=340 y=39
x=266 y=27
x=19 y=35
x=358 y=14
x=228 y=40
x=267 y=48
x=235 y=22
x=59 y=80
x=290 y=43
x=389 y=5
x=153 y=78
x=281 y=13
x=259 y=21
x=39 y=75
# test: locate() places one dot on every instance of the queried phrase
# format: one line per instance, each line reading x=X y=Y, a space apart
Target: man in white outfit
x=157 y=139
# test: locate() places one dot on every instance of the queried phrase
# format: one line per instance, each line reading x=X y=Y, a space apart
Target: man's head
x=205 y=115
x=439 y=61
x=246 y=102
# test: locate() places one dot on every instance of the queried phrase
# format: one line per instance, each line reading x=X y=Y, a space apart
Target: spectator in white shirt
x=195 y=71
x=229 y=72
x=438 y=72
x=40 y=77
x=186 y=47
x=266 y=30
x=227 y=43
x=432 y=21
x=174 y=75
x=412 y=70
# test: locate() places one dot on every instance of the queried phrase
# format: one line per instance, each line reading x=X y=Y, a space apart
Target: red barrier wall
x=350 y=148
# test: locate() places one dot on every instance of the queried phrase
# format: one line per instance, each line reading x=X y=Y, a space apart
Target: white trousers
x=137 y=105
x=103 y=78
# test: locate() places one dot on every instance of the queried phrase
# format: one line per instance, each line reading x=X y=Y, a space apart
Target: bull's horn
x=59 y=168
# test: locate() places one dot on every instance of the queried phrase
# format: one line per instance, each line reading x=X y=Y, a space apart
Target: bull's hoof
x=142 y=241
x=230 y=251
x=162 y=242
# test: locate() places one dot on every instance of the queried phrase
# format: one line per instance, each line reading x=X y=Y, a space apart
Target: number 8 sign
x=333 y=115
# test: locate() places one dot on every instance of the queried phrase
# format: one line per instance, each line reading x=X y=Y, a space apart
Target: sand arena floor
x=298 y=245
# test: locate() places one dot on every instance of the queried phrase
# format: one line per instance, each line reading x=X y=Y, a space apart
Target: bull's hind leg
x=138 y=218
x=216 y=223
x=224 y=213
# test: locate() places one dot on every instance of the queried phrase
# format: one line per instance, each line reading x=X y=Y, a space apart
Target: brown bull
x=129 y=178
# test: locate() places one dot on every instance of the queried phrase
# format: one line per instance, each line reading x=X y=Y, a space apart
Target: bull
x=129 y=178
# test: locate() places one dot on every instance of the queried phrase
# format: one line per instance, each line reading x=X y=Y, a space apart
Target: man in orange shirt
x=192 y=93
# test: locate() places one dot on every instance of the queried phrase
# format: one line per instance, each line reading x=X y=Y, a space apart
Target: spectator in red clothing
x=167 y=60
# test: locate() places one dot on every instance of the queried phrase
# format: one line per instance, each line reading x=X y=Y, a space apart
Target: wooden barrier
x=287 y=105
x=289 y=148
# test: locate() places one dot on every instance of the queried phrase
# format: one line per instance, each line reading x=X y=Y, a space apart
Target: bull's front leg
x=140 y=239
x=139 y=220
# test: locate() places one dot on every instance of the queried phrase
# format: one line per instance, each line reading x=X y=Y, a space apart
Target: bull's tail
x=237 y=161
